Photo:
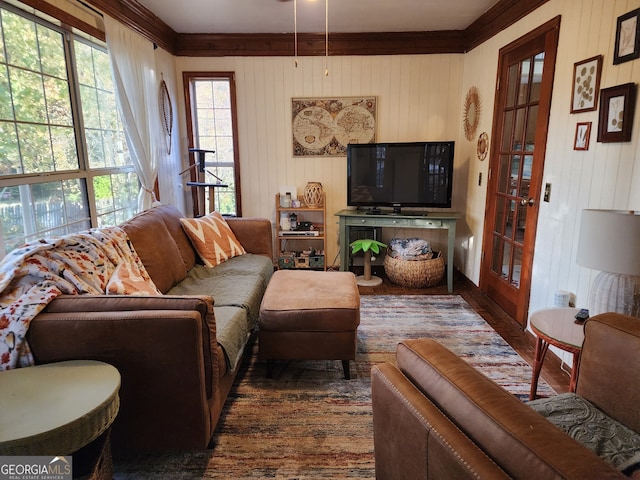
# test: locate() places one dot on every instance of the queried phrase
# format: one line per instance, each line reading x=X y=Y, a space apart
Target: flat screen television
x=416 y=174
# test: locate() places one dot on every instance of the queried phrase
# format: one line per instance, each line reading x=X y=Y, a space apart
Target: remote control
x=582 y=315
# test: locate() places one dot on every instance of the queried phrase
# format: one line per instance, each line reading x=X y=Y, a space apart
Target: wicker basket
x=415 y=273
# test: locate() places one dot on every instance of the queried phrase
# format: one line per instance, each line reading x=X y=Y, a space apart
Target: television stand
x=435 y=220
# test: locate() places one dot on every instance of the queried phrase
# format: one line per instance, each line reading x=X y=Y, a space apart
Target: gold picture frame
x=326 y=126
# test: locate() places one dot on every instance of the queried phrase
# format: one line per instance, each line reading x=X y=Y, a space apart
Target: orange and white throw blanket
x=96 y=261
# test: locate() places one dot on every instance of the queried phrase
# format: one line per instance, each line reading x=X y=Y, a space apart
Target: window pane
x=39 y=134
x=116 y=197
x=106 y=145
x=44 y=209
x=213 y=130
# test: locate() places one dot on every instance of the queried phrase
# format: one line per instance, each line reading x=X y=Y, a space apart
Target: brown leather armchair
x=436 y=417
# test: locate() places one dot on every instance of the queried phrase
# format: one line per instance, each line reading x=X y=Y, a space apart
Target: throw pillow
x=212 y=238
x=126 y=280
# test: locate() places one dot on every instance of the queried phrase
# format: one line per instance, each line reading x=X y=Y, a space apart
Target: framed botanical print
x=583 y=134
x=586 y=84
x=617 y=104
x=627 y=46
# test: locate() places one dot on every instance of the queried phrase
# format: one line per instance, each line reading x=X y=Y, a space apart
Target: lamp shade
x=610 y=241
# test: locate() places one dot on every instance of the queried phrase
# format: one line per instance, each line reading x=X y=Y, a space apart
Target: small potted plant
x=368 y=246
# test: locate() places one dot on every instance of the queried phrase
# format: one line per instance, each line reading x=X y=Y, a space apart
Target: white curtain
x=133 y=70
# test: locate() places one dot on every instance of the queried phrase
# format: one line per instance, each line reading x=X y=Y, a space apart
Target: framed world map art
x=325 y=126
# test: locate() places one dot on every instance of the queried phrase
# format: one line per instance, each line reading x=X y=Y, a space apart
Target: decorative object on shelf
x=609 y=243
x=586 y=84
x=167 y=112
x=583 y=134
x=368 y=246
x=471 y=116
x=313 y=194
x=285 y=200
x=483 y=146
x=293 y=220
x=617 y=104
x=627 y=46
x=285 y=222
x=325 y=126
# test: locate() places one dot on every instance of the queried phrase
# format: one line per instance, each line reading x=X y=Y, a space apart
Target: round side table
x=557 y=327
x=56 y=408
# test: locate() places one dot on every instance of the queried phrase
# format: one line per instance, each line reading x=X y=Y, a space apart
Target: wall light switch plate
x=547 y=192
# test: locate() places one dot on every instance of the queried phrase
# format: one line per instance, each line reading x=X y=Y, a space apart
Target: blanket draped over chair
x=82 y=263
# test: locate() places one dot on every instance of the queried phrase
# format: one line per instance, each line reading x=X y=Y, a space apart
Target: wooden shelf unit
x=302 y=249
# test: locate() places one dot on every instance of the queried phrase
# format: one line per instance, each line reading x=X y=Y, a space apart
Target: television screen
x=417 y=174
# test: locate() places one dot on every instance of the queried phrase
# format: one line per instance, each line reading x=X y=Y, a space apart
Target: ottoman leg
x=345 y=367
x=269 y=368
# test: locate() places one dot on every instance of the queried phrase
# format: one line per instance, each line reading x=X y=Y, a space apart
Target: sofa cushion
x=156 y=248
x=212 y=238
x=171 y=217
x=587 y=424
x=244 y=288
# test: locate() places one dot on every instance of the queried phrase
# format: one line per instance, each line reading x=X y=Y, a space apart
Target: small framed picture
x=583 y=134
x=627 y=46
x=617 y=105
x=586 y=84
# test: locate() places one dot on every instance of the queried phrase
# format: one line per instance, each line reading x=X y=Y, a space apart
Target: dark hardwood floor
x=522 y=342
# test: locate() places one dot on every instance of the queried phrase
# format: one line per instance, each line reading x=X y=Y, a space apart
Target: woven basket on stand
x=415 y=273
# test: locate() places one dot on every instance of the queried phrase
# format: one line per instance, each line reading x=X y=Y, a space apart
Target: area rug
x=307 y=422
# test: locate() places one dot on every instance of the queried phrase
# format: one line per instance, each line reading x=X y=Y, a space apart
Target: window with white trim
x=64 y=164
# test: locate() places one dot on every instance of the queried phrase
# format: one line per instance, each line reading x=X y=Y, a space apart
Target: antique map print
x=325 y=126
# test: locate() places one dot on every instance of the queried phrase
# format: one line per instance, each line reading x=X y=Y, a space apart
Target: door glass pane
x=506 y=261
x=538 y=63
x=507 y=133
x=512 y=84
x=501 y=204
x=523 y=89
x=530 y=133
x=504 y=178
x=516 y=269
x=519 y=129
x=526 y=176
x=515 y=175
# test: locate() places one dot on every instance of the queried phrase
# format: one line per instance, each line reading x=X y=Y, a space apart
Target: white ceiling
x=277 y=16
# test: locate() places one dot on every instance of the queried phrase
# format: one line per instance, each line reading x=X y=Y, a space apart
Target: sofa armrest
x=255 y=234
x=608 y=372
x=414 y=439
x=167 y=358
x=516 y=437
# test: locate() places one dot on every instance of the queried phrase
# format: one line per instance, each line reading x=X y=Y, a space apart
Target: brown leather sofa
x=436 y=417
x=175 y=377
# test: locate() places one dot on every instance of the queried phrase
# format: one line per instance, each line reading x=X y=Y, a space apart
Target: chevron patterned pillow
x=212 y=238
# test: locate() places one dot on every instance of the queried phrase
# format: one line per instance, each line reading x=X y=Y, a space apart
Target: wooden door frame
x=549 y=33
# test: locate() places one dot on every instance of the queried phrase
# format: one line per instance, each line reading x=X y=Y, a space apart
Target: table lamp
x=610 y=242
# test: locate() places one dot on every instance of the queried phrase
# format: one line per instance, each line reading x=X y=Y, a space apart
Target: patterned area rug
x=308 y=422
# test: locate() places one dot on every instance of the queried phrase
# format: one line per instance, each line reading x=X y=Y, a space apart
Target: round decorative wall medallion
x=471 y=117
x=483 y=146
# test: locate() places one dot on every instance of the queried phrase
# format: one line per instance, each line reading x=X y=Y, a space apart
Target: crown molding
x=131 y=13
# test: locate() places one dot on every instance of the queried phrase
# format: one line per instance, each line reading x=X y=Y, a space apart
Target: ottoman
x=309 y=315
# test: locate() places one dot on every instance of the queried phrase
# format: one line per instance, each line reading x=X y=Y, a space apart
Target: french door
x=520 y=124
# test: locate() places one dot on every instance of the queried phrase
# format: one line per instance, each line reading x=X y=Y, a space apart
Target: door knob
x=527 y=201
